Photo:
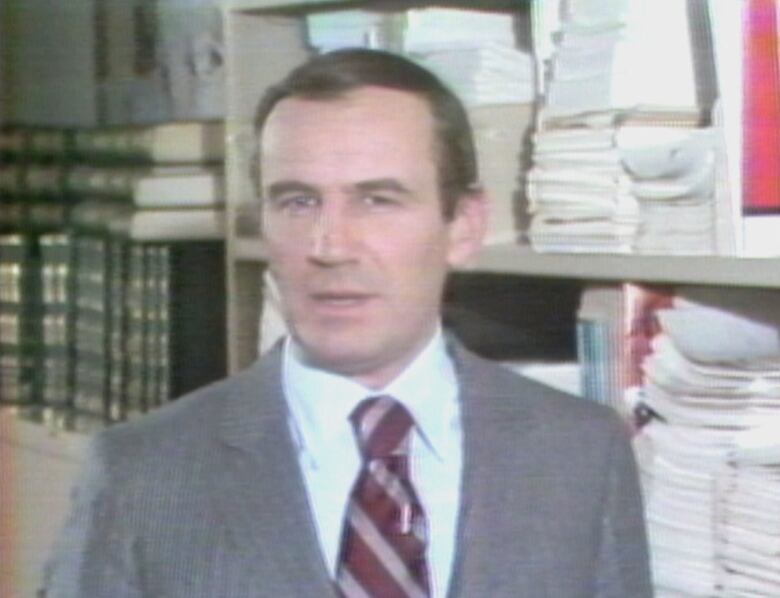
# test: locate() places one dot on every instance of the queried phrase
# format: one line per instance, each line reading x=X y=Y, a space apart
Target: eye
x=296 y=204
x=380 y=200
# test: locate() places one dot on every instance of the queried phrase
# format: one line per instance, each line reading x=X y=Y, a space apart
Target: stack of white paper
x=600 y=53
x=431 y=29
x=622 y=189
x=490 y=74
x=473 y=52
x=619 y=164
x=710 y=463
x=328 y=31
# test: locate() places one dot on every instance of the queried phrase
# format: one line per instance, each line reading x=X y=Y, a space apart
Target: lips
x=340 y=300
x=340 y=297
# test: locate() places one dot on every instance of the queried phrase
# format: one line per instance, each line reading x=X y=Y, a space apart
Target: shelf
x=521 y=260
x=707 y=270
x=303 y=6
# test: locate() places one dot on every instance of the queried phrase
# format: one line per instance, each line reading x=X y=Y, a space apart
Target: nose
x=333 y=236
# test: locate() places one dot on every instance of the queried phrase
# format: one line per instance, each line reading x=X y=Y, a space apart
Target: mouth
x=340 y=300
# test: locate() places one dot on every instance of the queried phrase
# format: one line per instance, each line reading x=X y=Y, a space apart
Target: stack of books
x=18 y=306
x=478 y=56
x=110 y=242
x=625 y=163
x=147 y=235
x=32 y=204
x=710 y=454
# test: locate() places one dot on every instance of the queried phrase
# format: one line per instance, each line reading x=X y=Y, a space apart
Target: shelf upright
x=261 y=47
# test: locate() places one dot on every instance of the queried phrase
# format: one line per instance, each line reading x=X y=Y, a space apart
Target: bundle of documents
x=621 y=161
x=475 y=53
x=488 y=74
x=711 y=455
x=620 y=189
x=327 y=31
x=599 y=53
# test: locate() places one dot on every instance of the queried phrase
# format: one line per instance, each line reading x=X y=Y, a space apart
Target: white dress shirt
x=320 y=404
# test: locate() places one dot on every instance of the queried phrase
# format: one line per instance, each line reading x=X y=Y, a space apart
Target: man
x=368 y=454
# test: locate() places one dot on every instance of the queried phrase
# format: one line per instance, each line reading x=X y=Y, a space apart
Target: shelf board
x=707 y=270
x=673 y=269
x=303 y=6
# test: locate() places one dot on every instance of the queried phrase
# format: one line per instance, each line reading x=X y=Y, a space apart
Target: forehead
x=368 y=128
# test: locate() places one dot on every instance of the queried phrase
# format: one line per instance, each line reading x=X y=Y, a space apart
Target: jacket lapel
x=501 y=540
x=260 y=491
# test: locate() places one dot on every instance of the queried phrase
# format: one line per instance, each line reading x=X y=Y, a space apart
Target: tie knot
x=382 y=427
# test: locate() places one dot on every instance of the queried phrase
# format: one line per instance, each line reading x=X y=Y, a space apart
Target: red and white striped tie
x=385 y=532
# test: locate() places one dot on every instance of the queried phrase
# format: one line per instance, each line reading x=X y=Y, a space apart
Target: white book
x=177 y=142
x=171 y=225
x=158 y=187
x=197 y=189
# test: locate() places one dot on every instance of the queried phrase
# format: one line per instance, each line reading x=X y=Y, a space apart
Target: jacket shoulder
x=519 y=396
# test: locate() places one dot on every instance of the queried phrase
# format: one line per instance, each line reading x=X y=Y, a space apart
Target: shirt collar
x=321 y=401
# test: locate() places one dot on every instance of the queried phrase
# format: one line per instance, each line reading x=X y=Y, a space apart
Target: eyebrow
x=284 y=187
x=386 y=184
x=372 y=185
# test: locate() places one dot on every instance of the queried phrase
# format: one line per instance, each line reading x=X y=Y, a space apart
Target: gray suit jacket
x=204 y=498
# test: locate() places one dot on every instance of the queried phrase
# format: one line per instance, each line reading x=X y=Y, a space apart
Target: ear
x=467 y=228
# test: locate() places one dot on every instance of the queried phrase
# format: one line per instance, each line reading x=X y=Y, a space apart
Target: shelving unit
x=264 y=40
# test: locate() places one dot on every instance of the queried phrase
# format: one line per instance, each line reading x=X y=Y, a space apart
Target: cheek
x=418 y=266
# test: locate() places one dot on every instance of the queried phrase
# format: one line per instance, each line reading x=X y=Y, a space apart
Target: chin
x=340 y=351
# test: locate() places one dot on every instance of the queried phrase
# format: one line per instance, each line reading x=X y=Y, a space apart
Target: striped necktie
x=385 y=533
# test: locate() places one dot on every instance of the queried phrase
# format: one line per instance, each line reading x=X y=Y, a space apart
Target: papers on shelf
x=474 y=52
x=491 y=74
x=622 y=162
x=648 y=189
x=598 y=54
x=432 y=29
x=347 y=28
x=711 y=458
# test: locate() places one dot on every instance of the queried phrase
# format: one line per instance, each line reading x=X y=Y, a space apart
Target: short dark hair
x=332 y=75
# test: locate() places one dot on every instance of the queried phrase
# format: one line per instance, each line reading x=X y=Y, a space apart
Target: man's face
x=354 y=231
